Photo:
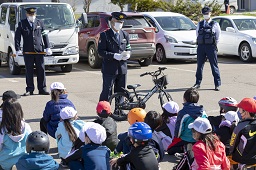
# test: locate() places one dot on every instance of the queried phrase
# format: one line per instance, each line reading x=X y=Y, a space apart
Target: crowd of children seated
x=218 y=142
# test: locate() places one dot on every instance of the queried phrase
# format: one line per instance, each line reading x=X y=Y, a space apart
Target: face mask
x=207 y=16
x=31 y=18
x=118 y=26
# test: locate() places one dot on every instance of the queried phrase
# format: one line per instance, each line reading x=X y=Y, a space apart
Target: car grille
x=189 y=42
x=56 y=46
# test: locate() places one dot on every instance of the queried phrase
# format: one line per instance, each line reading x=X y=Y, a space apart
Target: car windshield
x=175 y=23
x=245 y=24
x=135 y=22
x=54 y=16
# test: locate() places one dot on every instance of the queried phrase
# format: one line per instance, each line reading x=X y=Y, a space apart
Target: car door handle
x=7 y=36
x=88 y=32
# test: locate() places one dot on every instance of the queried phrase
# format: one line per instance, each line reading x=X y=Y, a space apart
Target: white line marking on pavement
x=212 y=111
x=11 y=80
x=175 y=68
x=92 y=72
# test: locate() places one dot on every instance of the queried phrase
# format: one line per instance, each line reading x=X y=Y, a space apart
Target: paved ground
x=84 y=86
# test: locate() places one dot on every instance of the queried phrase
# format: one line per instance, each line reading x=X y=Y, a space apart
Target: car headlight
x=71 y=50
x=170 y=39
x=254 y=40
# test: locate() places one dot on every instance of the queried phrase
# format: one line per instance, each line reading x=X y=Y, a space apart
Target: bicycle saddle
x=133 y=86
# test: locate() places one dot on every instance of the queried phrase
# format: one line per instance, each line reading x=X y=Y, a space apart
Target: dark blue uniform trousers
x=209 y=51
x=109 y=80
x=40 y=71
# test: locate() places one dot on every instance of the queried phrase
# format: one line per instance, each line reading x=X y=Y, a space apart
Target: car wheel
x=14 y=69
x=145 y=61
x=245 y=52
x=66 y=68
x=93 y=58
x=160 y=54
x=232 y=10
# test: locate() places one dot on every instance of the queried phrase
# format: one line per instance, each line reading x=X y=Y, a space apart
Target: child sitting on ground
x=142 y=156
x=124 y=145
x=154 y=120
x=67 y=131
x=169 y=116
x=226 y=104
x=37 y=146
x=51 y=115
x=92 y=155
x=103 y=110
x=209 y=152
x=190 y=111
x=226 y=127
x=13 y=134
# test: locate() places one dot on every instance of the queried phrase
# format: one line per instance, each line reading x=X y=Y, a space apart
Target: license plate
x=133 y=36
x=193 y=51
x=49 y=60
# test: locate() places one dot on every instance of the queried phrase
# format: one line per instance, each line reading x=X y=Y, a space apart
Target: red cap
x=103 y=105
x=248 y=104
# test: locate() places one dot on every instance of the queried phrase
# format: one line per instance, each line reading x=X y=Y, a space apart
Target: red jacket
x=206 y=159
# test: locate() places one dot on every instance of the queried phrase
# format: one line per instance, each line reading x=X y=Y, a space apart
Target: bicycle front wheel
x=119 y=106
x=164 y=97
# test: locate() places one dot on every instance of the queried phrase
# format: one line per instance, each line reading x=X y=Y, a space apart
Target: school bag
x=166 y=140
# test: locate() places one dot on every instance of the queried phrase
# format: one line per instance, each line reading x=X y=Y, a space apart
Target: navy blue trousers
x=118 y=81
x=38 y=60
x=209 y=51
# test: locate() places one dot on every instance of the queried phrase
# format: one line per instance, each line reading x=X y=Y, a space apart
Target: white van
x=59 y=22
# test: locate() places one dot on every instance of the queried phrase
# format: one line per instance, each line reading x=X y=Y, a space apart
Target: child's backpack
x=186 y=160
x=166 y=140
x=245 y=149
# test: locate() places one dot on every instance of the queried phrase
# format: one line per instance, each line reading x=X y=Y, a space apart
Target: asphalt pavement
x=84 y=86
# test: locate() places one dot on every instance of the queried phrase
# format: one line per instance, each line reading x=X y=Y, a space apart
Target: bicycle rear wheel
x=164 y=97
x=119 y=106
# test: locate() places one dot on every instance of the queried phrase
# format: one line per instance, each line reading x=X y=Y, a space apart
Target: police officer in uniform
x=114 y=48
x=208 y=34
x=34 y=39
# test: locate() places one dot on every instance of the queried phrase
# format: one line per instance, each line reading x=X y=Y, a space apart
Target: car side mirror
x=230 y=29
x=84 y=19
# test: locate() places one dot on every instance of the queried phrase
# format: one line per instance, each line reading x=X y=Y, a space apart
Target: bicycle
x=128 y=100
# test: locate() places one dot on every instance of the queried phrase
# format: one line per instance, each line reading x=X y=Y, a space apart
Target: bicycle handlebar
x=155 y=73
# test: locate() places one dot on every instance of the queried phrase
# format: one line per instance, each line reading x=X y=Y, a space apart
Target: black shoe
x=196 y=86
x=217 y=88
x=44 y=93
x=28 y=93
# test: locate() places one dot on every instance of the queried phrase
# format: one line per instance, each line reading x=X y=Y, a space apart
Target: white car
x=238 y=36
x=175 y=35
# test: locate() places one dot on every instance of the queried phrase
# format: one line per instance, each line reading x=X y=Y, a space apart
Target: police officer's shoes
x=217 y=88
x=44 y=93
x=28 y=93
x=196 y=86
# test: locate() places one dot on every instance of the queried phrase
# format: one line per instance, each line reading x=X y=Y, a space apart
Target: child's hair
x=191 y=95
x=166 y=115
x=153 y=119
x=69 y=128
x=56 y=93
x=12 y=117
x=210 y=140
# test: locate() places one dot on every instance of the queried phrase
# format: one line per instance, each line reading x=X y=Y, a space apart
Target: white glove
x=19 y=53
x=118 y=56
x=48 y=51
x=126 y=55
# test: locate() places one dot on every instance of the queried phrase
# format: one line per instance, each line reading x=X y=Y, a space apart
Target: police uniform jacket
x=33 y=38
x=108 y=46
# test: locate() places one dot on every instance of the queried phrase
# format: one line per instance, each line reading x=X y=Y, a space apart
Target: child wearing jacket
x=103 y=110
x=209 y=151
x=190 y=111
x=13 y=134
x=37 y=146
x=51 y=115
x=142 y=156
x=92 y=155
x=68 y=130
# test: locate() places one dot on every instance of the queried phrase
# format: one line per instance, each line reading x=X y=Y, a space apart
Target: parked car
x=233 y=4
x=141 y=33
x=238 y=36
x=175 y=35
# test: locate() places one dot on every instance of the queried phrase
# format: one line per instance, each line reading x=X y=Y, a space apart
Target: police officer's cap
x=118 y=16
x=31 y=10
x=206 y=10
